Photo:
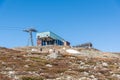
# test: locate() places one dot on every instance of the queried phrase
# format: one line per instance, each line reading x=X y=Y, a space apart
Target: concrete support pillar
x=39 y=42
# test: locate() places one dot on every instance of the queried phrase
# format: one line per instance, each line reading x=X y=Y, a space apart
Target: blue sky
x=78 y=21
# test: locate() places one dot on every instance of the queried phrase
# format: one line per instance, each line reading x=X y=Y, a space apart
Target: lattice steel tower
x=30 y=30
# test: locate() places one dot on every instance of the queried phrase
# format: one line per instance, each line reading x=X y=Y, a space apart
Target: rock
x=11 y=74
x=16 y=77
x=92 y=76
x=34 y=50
x=104 y=64
x=68 y=77
x=95 y=79
x=85 y=73
x=82 y=63
x=3 y=63
x=64 y=48
x=83 y=78
x=26 y=66
x=50 y=50
x=53 y=55
x=49 y=65
x=116 y=75
x=8 y=68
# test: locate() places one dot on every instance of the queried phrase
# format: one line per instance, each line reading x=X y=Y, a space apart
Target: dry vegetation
x=21 y=65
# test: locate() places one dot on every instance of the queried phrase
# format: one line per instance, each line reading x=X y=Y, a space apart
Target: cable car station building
x=50 y=38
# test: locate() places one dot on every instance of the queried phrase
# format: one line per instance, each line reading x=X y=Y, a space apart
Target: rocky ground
x=58 y=63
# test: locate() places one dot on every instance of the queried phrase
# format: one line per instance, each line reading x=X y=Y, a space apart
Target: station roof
x=49 y=34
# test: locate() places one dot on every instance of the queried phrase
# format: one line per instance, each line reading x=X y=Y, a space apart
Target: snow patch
x=72 y=51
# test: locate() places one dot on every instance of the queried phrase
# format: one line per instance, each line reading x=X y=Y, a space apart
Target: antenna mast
x=30 y=30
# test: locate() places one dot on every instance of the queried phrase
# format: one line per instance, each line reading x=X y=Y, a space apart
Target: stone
x=34 y=50
x=82 y=63
x=49 y=65
x=53 y=55
x=85 y=73
x=83 y=78
x=92 y=76
x=104 y=64
x=26 y=66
